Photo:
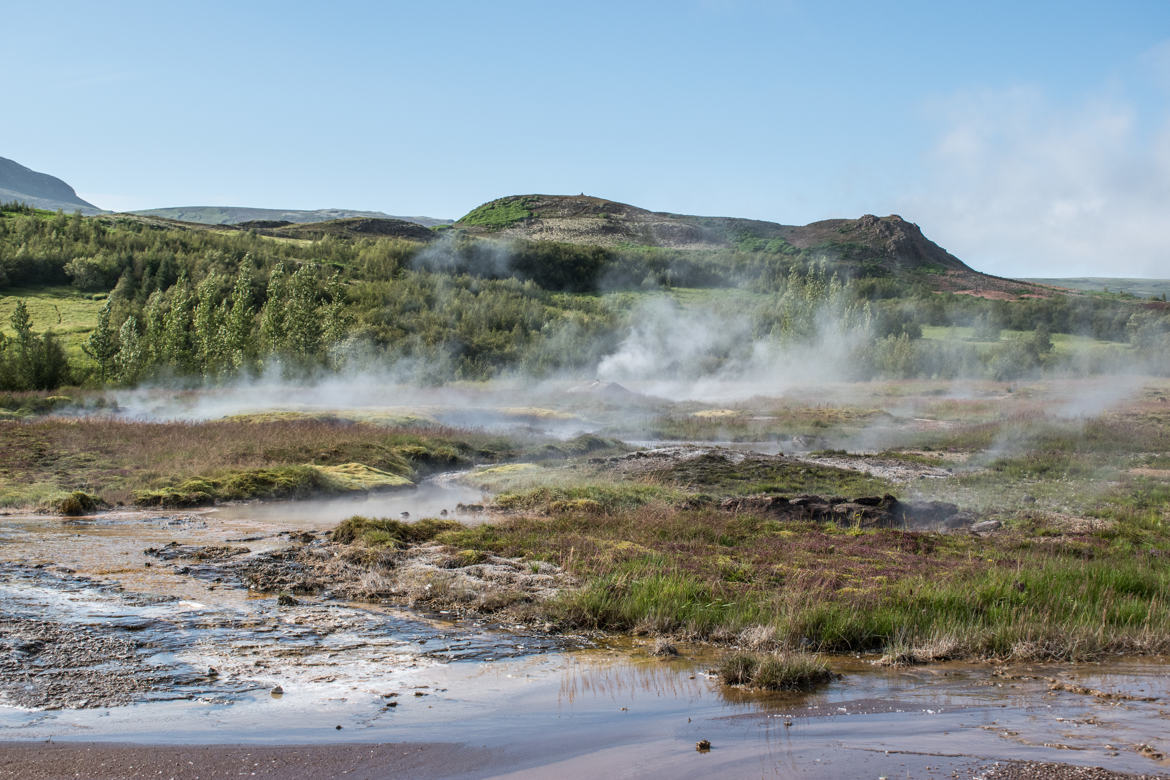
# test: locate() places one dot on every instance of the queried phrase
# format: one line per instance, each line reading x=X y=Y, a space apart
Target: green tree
x=208 y=325
x=179 y=349
x=28 y=362
x=23 y=348
x=1042 y=340
x=272 y=318
x=336 y=318
x=102 y=344
x=303 y=321
x=241 y=320
x=154 y=339
x=50 y=366
x=129 y=361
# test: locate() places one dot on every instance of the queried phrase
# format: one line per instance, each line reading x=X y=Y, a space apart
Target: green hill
x=866 y=246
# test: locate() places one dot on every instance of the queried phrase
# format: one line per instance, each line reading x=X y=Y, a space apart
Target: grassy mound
x=276 y=482
x=79 y=503
x=387 y=532
x=358 y=476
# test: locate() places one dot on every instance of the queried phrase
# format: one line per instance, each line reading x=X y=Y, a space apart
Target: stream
x=102 y=642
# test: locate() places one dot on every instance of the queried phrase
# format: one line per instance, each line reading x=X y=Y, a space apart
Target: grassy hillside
x=1140 y=288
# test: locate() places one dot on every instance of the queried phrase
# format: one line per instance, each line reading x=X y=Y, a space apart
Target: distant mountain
x=234 y=215
x=39 y=190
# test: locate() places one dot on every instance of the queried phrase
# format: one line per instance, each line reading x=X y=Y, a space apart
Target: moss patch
x=277 y=482
x=358 y=476
x=387 y=532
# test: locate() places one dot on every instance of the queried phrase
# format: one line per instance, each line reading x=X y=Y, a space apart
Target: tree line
x=209 y=303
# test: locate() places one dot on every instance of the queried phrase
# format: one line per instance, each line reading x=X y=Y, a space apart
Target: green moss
x=387 y=532
x=357 y=476
x=470 y=557
x=276 y=482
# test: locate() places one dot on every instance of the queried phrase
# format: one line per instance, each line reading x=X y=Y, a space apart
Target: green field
x=64 y=311
x=1062 y=343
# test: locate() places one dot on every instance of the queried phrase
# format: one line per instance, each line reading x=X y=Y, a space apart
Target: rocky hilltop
x=581 y=219
x=865 y=246
x=40 y=190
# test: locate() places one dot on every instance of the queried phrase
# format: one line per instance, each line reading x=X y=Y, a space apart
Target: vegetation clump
x=79 y=503
x=388 y=532
x=590 y=498
x=775 y=671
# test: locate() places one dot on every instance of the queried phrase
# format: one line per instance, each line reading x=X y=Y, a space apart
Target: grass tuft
x=775 y=671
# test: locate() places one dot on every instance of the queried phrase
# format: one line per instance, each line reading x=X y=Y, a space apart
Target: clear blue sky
x=1028 y=138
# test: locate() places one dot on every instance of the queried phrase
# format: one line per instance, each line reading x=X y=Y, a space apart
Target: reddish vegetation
x=967 y=282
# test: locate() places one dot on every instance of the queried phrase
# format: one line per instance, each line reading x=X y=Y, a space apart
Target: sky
x=1029 y=139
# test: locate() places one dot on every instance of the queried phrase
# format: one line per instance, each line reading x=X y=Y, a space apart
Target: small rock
x=277 y=691
x=703 y=745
